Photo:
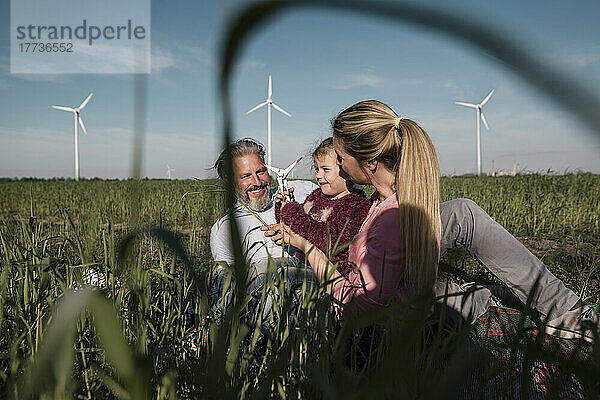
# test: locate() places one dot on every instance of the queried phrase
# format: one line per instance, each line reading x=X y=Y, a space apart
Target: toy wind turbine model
x=78 y=120
x=269 y=103
x=282 y=174
x=481 y=117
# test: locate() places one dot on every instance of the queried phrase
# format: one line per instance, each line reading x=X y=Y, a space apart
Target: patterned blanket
x=517 y=362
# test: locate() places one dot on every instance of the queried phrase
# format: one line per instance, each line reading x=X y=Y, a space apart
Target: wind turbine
x=482 y=117
x=78 y=120
x=282 y=174
x=169 y=170
x=269 y=103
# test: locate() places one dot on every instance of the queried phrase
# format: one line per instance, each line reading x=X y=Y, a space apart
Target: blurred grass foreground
x=141 y=335
x=103 y=283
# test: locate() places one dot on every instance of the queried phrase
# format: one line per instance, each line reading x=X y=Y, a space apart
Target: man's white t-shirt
x=254 y=242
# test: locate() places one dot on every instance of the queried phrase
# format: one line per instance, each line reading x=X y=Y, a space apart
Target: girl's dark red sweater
x=329 y=224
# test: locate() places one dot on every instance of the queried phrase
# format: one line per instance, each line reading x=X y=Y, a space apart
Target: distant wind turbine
x=481 y=117
x=78 y=120
x=269 y=103
x=169 y=170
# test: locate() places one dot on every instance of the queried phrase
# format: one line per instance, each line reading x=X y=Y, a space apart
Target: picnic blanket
x=519 y=363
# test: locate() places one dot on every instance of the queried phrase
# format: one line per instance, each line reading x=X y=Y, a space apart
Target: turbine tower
x=78 y=120
x=169 y=170
x=481 y=117
x=269 y=103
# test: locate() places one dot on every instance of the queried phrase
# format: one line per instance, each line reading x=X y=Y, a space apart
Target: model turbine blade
x=256 y=108
x=460 y=103
x=275 y=106
x=288 y=169
x=484 y=122
x=64 y=108
x=86 y=101
x=273 y=169
x=81 y=124
x=487 y=98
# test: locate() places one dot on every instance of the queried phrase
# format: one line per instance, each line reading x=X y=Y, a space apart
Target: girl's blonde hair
x=370 y=130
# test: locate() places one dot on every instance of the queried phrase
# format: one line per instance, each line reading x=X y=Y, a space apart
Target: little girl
x=330 y=214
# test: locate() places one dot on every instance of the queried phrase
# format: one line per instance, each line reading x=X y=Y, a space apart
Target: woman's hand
x=281 y=233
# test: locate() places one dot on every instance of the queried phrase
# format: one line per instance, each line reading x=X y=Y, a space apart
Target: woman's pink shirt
x=380 y=258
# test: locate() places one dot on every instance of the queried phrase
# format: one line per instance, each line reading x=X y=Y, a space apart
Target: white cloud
x=182 y=57
x=55 y=78
x=104 y=58
x=5 y=70
x=163 y=59
x=37 y=134
x=196 y=53
x=119 y=132
x=191 y=57
x=359 y=79
x=454 y=88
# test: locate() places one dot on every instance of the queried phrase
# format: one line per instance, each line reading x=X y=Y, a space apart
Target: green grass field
x=131 y=343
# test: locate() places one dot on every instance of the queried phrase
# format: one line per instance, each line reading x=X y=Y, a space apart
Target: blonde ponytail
x=371 y=130
x=418 y=192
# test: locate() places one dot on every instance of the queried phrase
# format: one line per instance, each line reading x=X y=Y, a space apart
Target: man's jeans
x=466 y=225
x=265 y=284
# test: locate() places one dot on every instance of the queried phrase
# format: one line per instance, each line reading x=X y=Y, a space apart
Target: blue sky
x=321 y=62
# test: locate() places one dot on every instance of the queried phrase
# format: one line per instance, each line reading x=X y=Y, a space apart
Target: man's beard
x=259 y=204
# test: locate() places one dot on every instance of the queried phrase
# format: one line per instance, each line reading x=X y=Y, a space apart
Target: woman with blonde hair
x=397 y=249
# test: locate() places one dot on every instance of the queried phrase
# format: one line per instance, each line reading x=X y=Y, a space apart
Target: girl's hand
x=283 y=234
x=289 y=194
x=282 y=198
x=279 y=198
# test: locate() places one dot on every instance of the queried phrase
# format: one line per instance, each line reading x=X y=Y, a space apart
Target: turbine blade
x=82 y=125
x=485 y=122
x=86 y=101
x=64 y=108
x=276 y=170
x=487 y=97
x=280 y=109
x=270 y=88
x=460 y=103
x=292 y=165
x=256 y=108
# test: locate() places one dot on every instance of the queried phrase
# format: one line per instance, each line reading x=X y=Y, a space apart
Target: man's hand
x=281 y=233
